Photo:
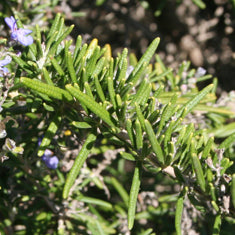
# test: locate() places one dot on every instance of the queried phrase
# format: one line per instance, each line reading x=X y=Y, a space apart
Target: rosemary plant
x=102 y=124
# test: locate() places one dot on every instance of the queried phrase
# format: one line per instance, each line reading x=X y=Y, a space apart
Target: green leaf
x=122 y=66
x=140 y=116
x=99 y=89
x=51 y=40
x=167 y=113
x=184 y=155
x=207 y=148
x=215 y=206
x=212 y=191
x=22 y=64
x=92 y=61
x=111 y=92
x=77 y=47
x=179 y=174
x=204 y=78
x=217 y=225
x=142 y=94
x=168 y=133
x=135 y=186
x=152 y=102
x=178 y=214
x=130 y=132
x=120 y=189
x=224 y=131
x=153 y=116
x=49 y=108
x=225 y=164
x=199 y=3
x=193 y=102
x=51 y=91
x=189 y=130
x=88 y=90
x=199 y=172
x=91 y=104
x=50 y=133
x=80 y=55
x=99 y=67
x=196 y=203
x=57 y=66
x=217 y=110
x=158 y=91
x=81 y=125
x=91 y=48
x=118 y=100
x=149 y=231
x=139 y=135
x=78 y=163
x=233 y=190
x=127 y=156
x=71 y=68
x=39 y=50
x=145 y=58
x=133 y=79
x=181 y=134
x=54 y=26
x=95 y=227
x=160 y=76
x=47 y=76
x=60 y=39
x=154 y=142
x=133 y=60
x=84 y=78
x=96 y=201
x=122 y=112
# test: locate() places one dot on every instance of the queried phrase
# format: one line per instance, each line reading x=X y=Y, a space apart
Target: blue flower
x=4 y=62
x=50 y=161
x=19 y=35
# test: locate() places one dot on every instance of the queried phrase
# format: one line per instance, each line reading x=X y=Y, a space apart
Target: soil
x=205 y=37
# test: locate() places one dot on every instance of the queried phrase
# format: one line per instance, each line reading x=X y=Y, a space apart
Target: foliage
x=124 y=126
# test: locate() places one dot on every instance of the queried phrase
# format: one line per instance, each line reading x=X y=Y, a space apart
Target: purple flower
x=4 y=62
x=19 y=35
x=47 y=154
x=50 y=161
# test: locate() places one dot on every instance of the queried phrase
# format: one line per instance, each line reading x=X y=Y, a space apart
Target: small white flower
x=200 y=72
